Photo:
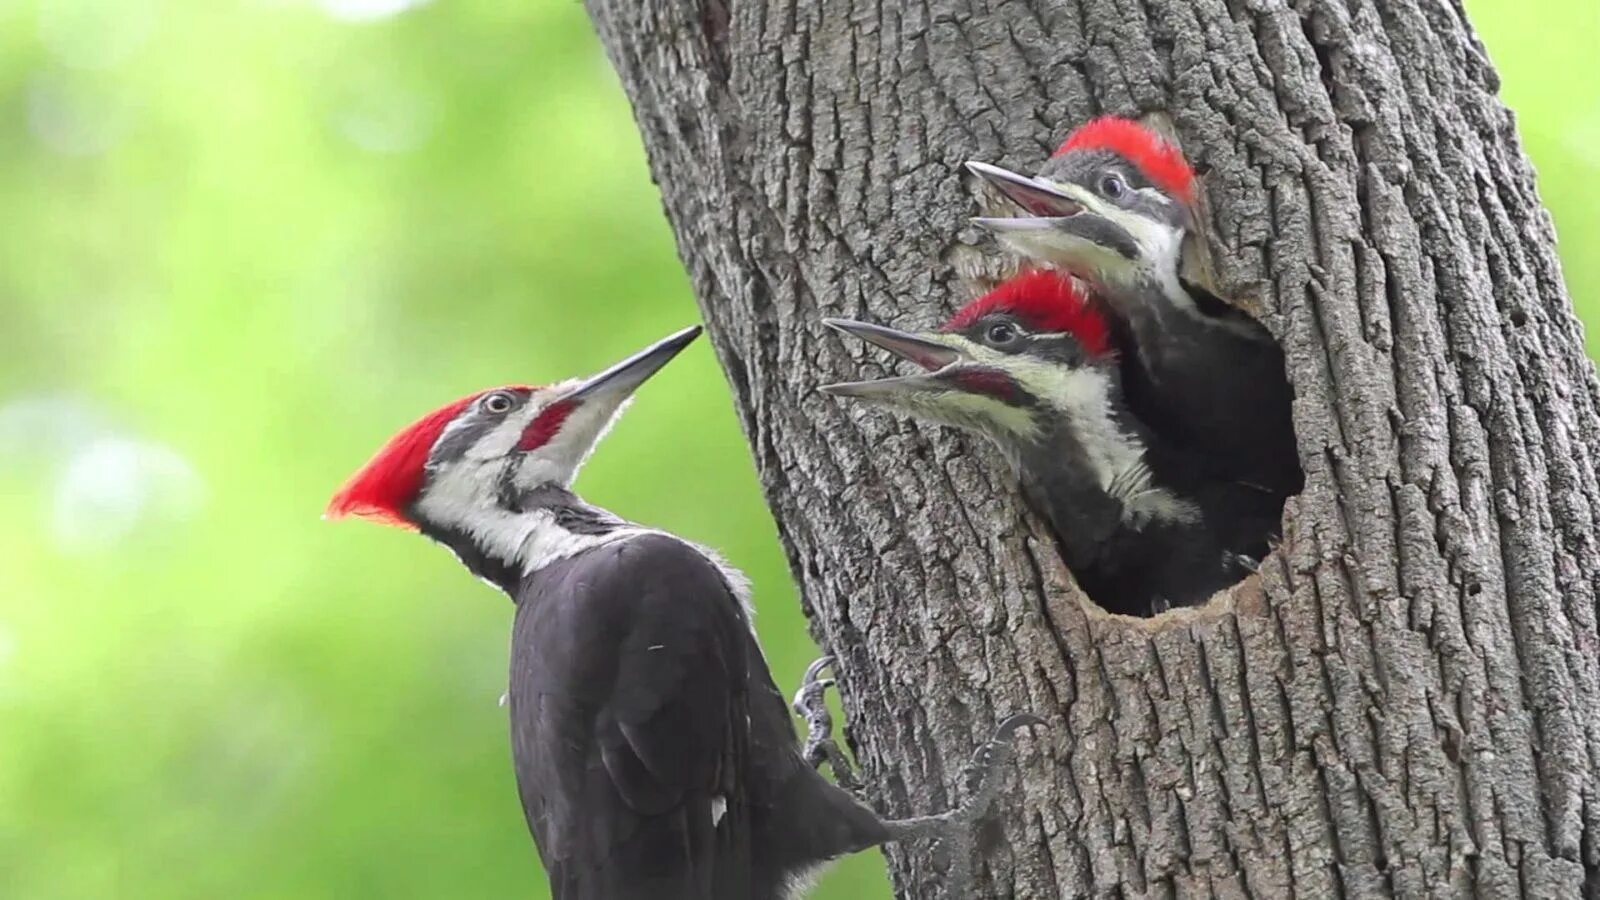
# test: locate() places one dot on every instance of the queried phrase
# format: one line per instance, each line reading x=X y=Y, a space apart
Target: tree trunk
x=1407 y=699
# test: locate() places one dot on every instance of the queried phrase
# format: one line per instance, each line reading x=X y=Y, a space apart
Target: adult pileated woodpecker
x=1030 y=365
x=1113 y=206
x=654 y=755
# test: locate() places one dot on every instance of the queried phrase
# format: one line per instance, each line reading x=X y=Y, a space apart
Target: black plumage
x=1137 y=565
x=1212 y=382
x=655 y=756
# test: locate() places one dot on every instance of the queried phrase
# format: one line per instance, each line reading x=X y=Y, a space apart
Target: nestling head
x=1004 y=365
x=1111 y=206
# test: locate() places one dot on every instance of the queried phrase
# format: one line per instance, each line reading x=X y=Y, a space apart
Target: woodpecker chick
x=1114 y=207
x=1030 y=365
x=654 y=755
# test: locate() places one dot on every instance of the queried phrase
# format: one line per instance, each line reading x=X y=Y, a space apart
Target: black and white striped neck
x=525 y=531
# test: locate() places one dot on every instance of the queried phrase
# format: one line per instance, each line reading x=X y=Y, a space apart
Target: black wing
x=629 y=723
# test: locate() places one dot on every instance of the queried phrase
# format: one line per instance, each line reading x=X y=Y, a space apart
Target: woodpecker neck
x=1150 y=305
x=1161 y=321
x=1090 y=462
x=523 y=532
x=1156 y=302
x=1069 y=494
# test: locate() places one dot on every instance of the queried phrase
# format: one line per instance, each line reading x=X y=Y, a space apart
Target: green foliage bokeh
x=243 y=242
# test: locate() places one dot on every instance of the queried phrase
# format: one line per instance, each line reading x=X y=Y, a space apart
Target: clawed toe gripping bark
x=956 y=829
x=811 y=703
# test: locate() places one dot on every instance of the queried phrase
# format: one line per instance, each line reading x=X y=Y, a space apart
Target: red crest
x=1159 y=159
x=389 y=482
x=1046 y=301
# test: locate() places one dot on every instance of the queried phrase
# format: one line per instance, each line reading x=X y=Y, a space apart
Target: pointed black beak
x=924 y=350
x=1063 y=225
x=1039 y=198
x=624 y=378
x=928 y=351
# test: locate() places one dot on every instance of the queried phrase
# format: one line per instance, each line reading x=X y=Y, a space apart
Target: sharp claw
x=1248 y=563
x=1016 y=722
x=811 y=704
x=985 y=769
x=815 y=669
x=955 y=830
x=811 y=686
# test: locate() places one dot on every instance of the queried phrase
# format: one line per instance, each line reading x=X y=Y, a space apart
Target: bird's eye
x=498 y=402
x=1113 y=186
x=1001 y=333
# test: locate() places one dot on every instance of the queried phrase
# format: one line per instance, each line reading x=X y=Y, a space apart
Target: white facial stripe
x=1158 y=244
x=525 y=540
x=1156 y=195
x=986 y=412
x=1159 y=252
x=1083 y=397
x=559 y=460
x=1114 y=457
x=505 y=437
x=1160 y=255
x=979 y=410
x=530 y=541
x=464 y=495
x=1085 y=258
x=1071 y=252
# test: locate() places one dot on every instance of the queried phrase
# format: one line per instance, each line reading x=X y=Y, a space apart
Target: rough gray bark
x=1407 y=700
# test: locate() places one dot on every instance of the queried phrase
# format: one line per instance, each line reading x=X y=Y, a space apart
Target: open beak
x=622 y=379
x=930 y=351
x=1063 y=225
x=1046 y=203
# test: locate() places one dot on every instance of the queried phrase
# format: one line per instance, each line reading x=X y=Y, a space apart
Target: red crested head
x=390 y=481
x=1045 y=301
x=1155 y=156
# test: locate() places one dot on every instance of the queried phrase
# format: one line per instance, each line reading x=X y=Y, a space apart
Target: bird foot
x=956 y=830
x=811 y=703
x=1249 y=564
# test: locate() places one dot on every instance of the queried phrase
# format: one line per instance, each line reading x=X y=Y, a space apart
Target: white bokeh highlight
x=72 y=115
x=115 y=487
x=95 y=34
x=103 y=487
x=386 y=118
x=368 y=10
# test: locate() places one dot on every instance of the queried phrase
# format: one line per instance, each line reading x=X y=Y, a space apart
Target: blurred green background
x=242 y=242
